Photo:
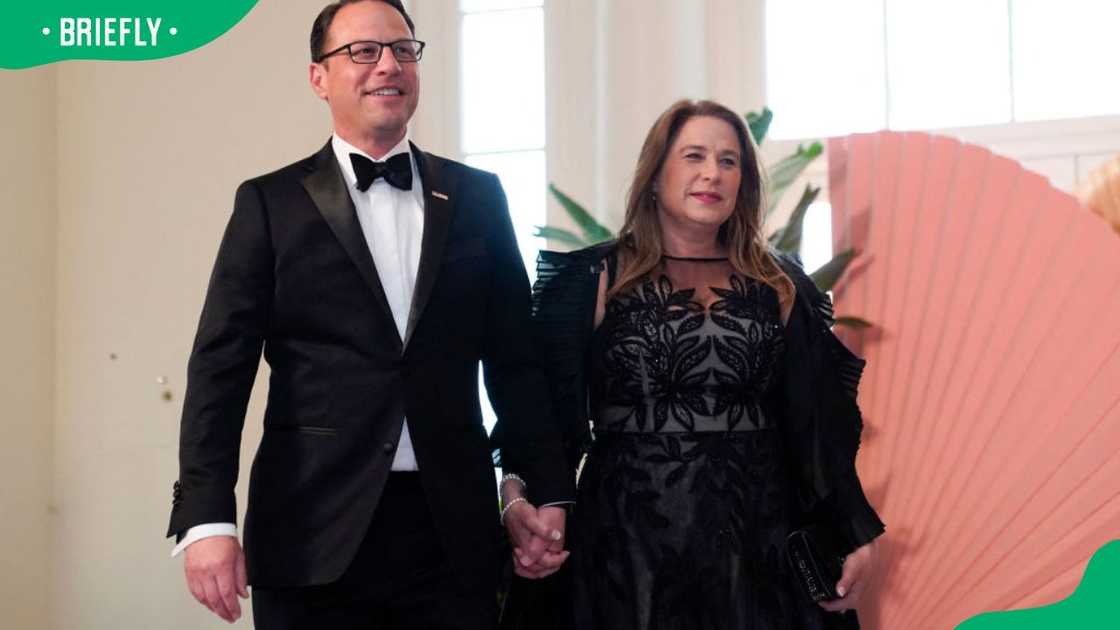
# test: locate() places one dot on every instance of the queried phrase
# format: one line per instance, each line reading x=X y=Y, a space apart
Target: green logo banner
x=36 y=33
x=1092 y=605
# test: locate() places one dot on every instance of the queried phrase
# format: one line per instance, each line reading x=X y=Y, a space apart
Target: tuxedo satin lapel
x=439 y=200
x=327 y=188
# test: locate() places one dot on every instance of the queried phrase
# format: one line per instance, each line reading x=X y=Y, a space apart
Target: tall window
x=503 y=125
x=816 y=235
x=834 y=68
x=859 y=65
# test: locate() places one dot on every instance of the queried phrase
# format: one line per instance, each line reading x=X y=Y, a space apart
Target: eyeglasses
x=404 y=51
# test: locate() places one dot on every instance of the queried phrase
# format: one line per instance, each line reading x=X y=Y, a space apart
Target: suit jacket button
x=388 y=447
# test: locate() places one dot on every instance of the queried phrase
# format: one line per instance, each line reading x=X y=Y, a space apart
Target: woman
x=723 y=407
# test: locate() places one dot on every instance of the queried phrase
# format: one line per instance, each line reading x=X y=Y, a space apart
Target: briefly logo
x=109 y=32
x=36 y=33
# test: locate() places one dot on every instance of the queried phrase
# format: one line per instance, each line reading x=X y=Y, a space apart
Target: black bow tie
x=397 y=171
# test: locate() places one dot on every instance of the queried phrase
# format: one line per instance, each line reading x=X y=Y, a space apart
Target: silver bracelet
x=502 y=518
x=512 y=477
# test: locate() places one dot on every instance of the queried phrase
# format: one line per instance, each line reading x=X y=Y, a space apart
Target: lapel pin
x=439 y=195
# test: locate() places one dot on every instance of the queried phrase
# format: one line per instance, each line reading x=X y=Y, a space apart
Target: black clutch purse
x=813 y=566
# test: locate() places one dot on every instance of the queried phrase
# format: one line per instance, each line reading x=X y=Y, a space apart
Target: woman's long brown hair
x=640 y=247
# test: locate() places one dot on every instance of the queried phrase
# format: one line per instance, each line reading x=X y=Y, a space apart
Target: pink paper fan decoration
x=991 y=396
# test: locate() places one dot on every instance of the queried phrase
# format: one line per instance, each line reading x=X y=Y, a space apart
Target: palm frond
x=593 y=231
x=782 y=175
x=856 y=323
x=788 y=238
x=560 y=235
x=826 y=277
x=759 y=124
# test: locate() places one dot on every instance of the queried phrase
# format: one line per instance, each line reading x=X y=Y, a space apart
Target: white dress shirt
x=392 y=222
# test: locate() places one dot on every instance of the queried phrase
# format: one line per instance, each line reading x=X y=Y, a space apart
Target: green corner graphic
x=37 y=33
x=1091 y=606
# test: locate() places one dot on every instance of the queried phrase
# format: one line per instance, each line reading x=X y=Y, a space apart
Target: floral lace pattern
x=670 y=363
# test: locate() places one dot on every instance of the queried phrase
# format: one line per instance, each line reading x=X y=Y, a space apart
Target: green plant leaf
x=853 y=322
x=789 y=237
x=759 y=124
x=593 y=231
x=787 y=170
x=825 y=278
x=560 y=235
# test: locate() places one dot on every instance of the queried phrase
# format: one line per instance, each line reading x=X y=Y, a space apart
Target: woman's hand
x=537 y=535
x=858 y=568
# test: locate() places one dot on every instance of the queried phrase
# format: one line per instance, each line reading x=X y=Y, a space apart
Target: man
x=376 y=277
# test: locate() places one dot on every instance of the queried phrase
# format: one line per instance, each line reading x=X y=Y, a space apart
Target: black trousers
x=399 y=580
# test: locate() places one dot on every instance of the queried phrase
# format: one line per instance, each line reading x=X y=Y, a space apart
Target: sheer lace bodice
x=692 y=347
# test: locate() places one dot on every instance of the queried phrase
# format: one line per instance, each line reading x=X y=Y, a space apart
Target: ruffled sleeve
x=564 y=296
x=822 y=421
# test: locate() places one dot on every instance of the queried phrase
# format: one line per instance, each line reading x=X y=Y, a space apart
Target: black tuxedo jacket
x=294 y=275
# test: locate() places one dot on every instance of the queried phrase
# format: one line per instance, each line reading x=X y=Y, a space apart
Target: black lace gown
x=685 y=498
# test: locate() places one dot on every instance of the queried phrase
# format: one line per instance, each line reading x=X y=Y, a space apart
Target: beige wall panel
x=27 y=234
x=149 y=156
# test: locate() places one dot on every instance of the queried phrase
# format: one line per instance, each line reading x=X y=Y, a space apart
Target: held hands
x=537 y=535
x=215 y=569
x=858 y=567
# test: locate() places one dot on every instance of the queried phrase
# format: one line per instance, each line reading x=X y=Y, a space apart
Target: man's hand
x=215 y=569
x=854 y=578
x=538 y=539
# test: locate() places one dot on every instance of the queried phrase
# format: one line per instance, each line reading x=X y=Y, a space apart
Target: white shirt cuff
x=559 y=503
x=206 y=530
